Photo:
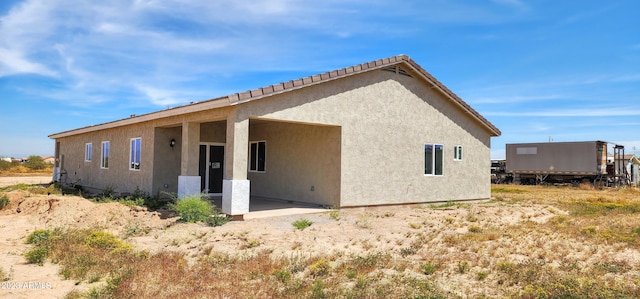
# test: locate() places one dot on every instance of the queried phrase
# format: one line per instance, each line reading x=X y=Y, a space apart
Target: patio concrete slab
x=260 y=207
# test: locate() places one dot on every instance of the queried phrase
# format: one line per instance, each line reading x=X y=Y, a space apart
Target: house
x=377 y=133
x=48 y=159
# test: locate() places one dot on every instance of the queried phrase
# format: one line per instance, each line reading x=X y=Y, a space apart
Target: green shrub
x=35 y=163
x=6 y=165
x=283 y=275
x=302 y=223
x=216 y=220
x=4 y=201
x=37 y=255
x=429 y=267
x=193 y=208
x=481 y=275
x=39 y=236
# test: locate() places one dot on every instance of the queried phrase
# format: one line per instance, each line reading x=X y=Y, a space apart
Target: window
x=104 y=155
x=134 y=161
x=258 y=153
x=457 y=153
x=88 y=147
x=433 y=159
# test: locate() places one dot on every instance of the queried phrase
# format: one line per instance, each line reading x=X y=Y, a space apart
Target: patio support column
x=235 y=186
x=189 y=179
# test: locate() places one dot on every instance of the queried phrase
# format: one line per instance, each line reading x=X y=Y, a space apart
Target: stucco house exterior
x=377 y=133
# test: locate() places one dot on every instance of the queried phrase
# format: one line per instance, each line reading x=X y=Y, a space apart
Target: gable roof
x=270 y=90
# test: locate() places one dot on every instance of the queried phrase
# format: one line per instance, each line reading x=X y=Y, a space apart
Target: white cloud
x=13 y=62
x=162 y=97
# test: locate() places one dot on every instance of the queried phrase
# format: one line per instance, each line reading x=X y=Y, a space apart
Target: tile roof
x=270 y=90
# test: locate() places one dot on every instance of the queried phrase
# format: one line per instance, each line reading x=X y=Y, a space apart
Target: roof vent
x=398 y=70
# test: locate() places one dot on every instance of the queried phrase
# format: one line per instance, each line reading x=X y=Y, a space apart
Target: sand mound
x=52 y=211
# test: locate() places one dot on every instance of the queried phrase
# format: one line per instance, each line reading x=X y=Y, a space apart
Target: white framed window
x=457 y=153
x=104 y=155
x=257 y=156
x=134 y=153
x=88 y=148
x=433 y=154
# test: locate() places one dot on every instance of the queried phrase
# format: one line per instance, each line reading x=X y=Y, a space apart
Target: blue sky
x=565 y=70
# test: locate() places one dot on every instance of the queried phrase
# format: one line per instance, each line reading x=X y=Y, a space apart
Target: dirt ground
x=346 y=233
x=31 y=179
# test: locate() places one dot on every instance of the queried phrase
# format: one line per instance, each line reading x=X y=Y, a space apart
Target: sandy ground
x=12 y=180
x=355 y=231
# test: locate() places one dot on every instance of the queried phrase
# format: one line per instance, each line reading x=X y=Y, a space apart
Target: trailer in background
x=566 y=162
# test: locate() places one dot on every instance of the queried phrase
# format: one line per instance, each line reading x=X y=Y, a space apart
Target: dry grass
x=21 y=170
x=528 y=242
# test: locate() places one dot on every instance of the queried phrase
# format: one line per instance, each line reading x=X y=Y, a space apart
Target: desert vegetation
x=526 y=242
x=34 y=165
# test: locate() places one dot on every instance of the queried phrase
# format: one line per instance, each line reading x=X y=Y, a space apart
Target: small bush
x=216 y=220
x=4 y=201
x=35 y=163
x=108 y=241
x=39 y=236
x=3 y=276
x=283 y=275
x=37 y=255
x=463 y=267
x=481 y=275
x=320 y=268
x=475 y=229
x=429 y=267
x=193 y=208
x=302 y=223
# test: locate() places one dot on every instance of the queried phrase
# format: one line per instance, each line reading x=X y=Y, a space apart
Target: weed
x=4 y=201
x=589 y=230
x=107 y=241
x=4 y=276
x=475 y=229
x=283 y=275
x=37 y=255
x=302 y=223
x=216 y=220
x=38 y=237
x=415 y=225
x=253 y=243
x=317 y=290
x=193 y=208
x=320 y=268
x=134 y=229
x=429 y=267
x=480 y=275
x=335 y=215
x=449 y=220
x=463 y=267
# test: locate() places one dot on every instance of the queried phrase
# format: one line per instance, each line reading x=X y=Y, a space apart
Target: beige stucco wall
x=166 y=161
x=385 y=120
x=302 y=162
x=118 y=176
